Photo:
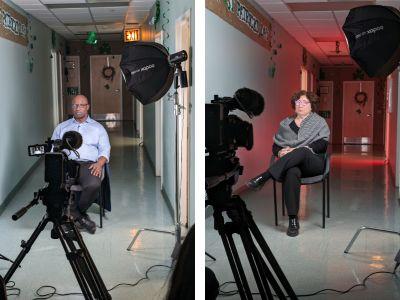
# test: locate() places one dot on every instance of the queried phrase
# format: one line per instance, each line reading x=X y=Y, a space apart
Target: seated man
x=93 y=154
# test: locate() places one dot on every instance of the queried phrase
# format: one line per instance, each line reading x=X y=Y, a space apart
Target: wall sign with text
x=13 y=25
x=244 y=17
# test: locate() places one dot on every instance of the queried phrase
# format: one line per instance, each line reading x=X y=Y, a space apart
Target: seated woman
x=300 y=145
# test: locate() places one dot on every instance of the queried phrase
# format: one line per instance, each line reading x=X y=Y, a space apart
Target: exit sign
x=131 y=35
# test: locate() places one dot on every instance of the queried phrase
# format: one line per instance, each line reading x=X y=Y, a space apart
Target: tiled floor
x=362 y=193
x=136 y=203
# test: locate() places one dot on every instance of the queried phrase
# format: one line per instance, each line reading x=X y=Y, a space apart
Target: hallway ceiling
x=74 y=18
x=317 y=24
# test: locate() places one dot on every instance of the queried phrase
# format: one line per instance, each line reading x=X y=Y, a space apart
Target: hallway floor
x=136 y=202
x=362 y=193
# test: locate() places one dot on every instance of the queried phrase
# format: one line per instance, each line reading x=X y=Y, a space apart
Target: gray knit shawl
x=313 y=128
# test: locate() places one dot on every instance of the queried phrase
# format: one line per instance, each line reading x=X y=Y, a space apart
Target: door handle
x=117 y=90
x=369 y=115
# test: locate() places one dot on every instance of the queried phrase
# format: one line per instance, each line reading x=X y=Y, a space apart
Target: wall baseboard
x=168 y=202
x=18 y=186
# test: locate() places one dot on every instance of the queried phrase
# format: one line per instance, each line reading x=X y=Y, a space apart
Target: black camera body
x=59 y=170
x=225 y=133
x=60 y=173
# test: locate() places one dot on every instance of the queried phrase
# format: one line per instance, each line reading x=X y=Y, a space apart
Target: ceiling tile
x=118 y=27
x=314 y=15
x=274 y=7
x=82 y=29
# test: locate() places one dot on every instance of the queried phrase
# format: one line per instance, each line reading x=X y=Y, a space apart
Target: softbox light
x=373 y=35
x=147 y=71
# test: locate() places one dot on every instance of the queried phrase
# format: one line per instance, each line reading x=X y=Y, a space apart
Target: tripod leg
x=26 y=247
x=87 y=275
x=73 y=257
x=91 y=265
x=268 y=274
x=237 y=269
x=270 y=257
x=262 y=284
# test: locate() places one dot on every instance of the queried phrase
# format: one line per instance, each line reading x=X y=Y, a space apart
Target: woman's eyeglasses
x=299 y=102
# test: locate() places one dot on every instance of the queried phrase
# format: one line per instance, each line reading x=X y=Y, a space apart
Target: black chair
x=104 y=193
x=324 y=179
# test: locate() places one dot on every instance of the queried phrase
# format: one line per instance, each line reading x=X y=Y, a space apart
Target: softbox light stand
x=373 y=36
x=138 y=65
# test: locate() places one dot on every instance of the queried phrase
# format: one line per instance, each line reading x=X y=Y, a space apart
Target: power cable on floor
x=53 y=291
x=12 y=290
x=235 y=292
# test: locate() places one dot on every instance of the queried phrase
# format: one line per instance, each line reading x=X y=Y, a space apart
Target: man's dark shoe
x=256 y=183
x=86 y=216
x=83 y=224
x=294 y=226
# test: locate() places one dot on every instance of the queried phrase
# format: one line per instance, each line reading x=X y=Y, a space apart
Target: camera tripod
x=242 y=223
x=64 y=229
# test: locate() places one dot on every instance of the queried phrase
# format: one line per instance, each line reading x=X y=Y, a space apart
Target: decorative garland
x=108 y=73
x=361 y=98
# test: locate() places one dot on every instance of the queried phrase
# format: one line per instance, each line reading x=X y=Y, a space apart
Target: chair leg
x=275 y=206
x=283 y=202
x=323 y=204
x=329 y=192
x=101 y=208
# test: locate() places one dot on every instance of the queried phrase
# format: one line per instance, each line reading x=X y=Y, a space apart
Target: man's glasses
x=75 y=106
x=299 y=102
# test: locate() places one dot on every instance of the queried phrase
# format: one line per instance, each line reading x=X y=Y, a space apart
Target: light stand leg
x=146 y=229
x=210 y=256
x=366 y=228
x=5 y=258
x=177 y=233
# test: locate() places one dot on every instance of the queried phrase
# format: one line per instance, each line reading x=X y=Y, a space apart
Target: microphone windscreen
x=251 y=100
x=71 y=140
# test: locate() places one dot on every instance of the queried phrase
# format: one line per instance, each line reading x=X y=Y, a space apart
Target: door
x=358 y=112
x=325 y=106
x=182 y=30
x=106 y=87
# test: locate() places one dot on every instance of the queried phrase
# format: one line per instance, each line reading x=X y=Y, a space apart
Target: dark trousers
x=90 y=190
x=290 y=168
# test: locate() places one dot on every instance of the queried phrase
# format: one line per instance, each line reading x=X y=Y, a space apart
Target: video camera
x=57 y=166
x=226 y=132
x=60 y=174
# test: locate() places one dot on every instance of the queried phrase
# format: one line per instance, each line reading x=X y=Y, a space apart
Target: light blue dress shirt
x=95 y=141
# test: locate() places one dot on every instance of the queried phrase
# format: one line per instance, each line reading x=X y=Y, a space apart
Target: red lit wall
x=392 y=131
x=233 y=61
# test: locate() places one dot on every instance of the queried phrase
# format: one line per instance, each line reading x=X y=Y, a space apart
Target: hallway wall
x=26 y=101
x=233 y=61
x=170 y=11
x=394 y=129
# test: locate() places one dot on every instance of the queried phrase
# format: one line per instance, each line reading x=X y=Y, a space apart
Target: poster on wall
x=244 y=17
x=13 y=25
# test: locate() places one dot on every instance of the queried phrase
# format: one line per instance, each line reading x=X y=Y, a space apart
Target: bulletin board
x=13 y=25
x=244 y=17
